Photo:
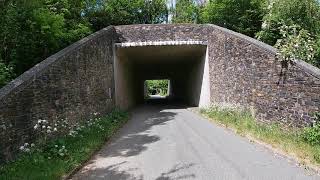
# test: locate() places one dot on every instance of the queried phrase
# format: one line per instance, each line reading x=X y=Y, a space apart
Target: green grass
x=36 y=165
x=290 y=141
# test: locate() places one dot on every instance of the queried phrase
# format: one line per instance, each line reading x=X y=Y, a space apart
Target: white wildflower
x=264 y=25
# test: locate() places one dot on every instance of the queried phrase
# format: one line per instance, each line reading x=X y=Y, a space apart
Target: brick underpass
x=206 y=65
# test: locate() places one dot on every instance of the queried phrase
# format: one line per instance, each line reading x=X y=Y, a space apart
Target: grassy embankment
x=301 y=144
x=58 y=157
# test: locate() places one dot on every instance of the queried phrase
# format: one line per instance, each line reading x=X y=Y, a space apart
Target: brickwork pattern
x=245 y=73
x=71 y=84
x=78 y=81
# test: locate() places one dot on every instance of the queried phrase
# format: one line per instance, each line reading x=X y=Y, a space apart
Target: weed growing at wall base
x=58 y=157
x=300 y=143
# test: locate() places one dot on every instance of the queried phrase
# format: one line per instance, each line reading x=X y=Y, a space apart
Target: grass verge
x=289 y=141
x=47 y=162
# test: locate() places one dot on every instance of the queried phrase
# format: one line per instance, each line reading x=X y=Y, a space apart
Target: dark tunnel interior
x=183 y=65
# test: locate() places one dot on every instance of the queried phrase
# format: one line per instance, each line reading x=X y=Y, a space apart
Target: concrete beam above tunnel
x=183 y=62
x=160 y=43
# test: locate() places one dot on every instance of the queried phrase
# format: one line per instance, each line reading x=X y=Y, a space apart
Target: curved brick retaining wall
x=71 y=84
x=245 y=72
x=78 y=81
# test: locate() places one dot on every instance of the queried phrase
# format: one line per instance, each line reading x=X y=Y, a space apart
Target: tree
x=304 y=13
x=155 y=11
x=296 y=43
x=31 y=30
x=244 y=16
x=186 y=11
x=122 y=12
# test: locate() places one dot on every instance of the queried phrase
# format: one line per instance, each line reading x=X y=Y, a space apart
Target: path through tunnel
x=184 y=65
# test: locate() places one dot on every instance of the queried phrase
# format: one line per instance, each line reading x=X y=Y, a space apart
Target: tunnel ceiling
x=163 y=54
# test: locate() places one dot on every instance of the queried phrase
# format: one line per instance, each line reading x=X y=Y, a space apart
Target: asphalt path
x=162 y=142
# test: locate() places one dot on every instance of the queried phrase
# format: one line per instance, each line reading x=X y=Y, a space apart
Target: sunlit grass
x=37 y=165
x=287 y=140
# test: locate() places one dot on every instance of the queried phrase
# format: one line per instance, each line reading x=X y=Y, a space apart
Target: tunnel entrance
x=185 y=65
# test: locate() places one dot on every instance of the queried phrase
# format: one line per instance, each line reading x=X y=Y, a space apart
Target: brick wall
x=162 y=32
x=72 y=84
x=244 y=72
x=78 y=81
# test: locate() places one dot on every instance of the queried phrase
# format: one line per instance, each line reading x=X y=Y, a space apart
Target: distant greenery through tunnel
x=156 y=87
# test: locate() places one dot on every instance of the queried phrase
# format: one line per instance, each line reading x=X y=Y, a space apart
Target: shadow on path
x=135 y=136
x=113 y=172
x=130 y=141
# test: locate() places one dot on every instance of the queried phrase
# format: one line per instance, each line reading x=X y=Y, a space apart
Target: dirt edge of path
x=72 y=172
x=290 y=157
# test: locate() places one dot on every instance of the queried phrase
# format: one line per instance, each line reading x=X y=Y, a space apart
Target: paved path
x=163 y=143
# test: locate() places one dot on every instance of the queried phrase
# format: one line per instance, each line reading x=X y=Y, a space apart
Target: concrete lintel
x=160 y=43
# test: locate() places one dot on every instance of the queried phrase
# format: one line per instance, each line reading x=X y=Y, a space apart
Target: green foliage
x=122 y=12
x=296 y=43
x=312 y=134
x=304 y=144
x=296 y=23
x=244 y=16
x=32 y=30
x=6 y=73
x=304 y=13
x=59 y=156
x=157 y=87
x=316 y=61
x=186 y=11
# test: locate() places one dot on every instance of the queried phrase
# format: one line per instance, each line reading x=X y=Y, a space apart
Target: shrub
x=312 y=134
x=6 y=74
x=57 y=156
x=296 y=43
x=303 y=13
x=244 y=16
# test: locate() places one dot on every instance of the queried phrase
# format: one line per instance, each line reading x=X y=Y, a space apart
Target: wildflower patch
x=54 y=156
